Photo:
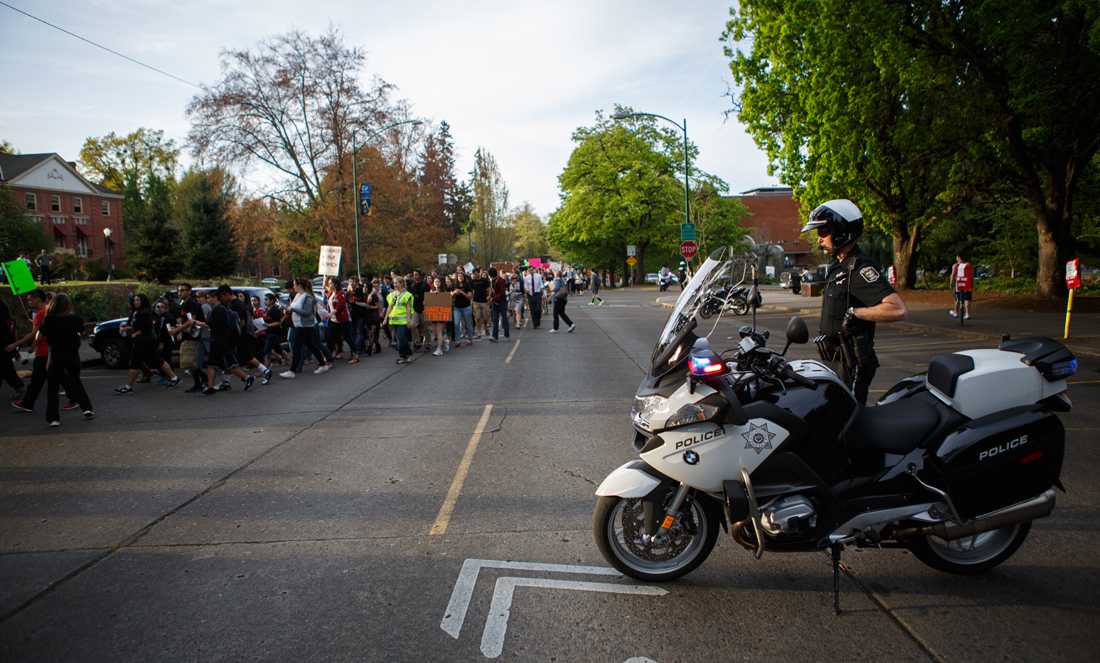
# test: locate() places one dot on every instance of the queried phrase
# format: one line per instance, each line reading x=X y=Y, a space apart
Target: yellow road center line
x=443 y=519
x=513 y=352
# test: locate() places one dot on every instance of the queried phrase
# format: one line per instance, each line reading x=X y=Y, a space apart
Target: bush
x=95 y=302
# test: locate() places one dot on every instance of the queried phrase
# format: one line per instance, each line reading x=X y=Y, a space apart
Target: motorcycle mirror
x=797 y=332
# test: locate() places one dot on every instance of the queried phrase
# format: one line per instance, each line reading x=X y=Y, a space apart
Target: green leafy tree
x=152 y=245
x=845 y=107
x=1030 y=71
x=6 y=147
x=203 y=202
x=489 y=209
x=530 y=233
x=109 y=159
x=717 y=217
x=621 y=186
x=18 y=232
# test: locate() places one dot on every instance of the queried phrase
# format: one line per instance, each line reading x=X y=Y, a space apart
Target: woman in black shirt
x=141 y=329
x=7 y=337
x=62 y=329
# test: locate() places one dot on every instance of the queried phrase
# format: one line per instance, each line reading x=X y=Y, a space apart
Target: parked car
x=272 y=282
x=115 y=350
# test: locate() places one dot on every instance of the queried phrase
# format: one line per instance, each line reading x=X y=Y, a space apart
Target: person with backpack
x=61 y=329
x=303 y=310
x=225 y=331
x=141 y=329
x=561 y=298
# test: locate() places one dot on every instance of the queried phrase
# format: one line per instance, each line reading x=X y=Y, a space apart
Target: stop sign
x=688 y=249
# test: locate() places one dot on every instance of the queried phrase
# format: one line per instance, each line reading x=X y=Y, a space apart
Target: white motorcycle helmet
x=842 y=218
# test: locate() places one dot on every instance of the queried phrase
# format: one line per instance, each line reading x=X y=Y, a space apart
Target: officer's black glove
x=849 y=323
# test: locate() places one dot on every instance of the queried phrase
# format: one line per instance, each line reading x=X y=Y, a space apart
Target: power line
x=97 y=45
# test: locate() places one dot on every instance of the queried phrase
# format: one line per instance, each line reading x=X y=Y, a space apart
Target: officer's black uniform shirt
x=867 y=287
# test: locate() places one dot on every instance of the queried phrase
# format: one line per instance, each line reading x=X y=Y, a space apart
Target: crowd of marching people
x=221 y=333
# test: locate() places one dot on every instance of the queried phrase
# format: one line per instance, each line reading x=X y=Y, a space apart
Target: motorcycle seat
x=903 y=425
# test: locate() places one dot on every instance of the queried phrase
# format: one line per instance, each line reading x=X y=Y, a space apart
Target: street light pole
x=355 y=182
x=683 y=128
x=110 y=265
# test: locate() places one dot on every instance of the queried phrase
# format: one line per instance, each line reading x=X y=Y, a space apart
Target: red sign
x=1073 y=274
x=688 y=249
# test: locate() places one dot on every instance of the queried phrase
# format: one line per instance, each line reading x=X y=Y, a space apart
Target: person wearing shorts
x=962 y=282
x=224 y=333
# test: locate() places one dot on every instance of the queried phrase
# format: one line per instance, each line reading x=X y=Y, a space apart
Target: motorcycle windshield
x=679 y=330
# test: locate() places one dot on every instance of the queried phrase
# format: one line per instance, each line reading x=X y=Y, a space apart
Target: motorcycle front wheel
x=740 y=306
x=708 y=310
x=971 y=555
x=618 y=525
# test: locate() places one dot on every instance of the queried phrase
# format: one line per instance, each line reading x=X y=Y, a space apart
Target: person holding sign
x=437 y=308
x=962 y=282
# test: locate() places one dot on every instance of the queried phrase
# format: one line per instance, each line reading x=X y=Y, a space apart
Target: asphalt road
x=341 y=517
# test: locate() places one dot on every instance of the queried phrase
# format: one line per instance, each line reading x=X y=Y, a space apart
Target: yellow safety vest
x=399 y=305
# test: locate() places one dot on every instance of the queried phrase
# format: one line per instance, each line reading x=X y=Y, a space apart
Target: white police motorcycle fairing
x=953 y=464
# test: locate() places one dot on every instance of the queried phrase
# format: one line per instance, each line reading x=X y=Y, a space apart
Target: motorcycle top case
x=1001 y=459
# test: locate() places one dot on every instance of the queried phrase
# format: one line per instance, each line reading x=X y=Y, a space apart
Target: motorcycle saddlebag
x=1001 y=459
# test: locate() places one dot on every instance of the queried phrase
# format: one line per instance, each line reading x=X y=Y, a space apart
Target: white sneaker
x=437 y=353
x=966 y=317
x=322 y=369
x=952 y=313
x=289 y=375
x=572 y=327
x=553 y=331
x=55 y=424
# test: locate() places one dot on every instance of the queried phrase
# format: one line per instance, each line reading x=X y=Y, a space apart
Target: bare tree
x=290 y=104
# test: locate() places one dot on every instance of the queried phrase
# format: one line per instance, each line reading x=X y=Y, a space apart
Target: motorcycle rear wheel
x=707 y=310
x=617 y=521
x=971 y=555
x=740 y=306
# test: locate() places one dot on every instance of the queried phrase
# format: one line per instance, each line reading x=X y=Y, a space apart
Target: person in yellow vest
x=399 y=311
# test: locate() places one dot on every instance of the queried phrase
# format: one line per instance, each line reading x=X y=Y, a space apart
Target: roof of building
x=768 y=191
x=14 y=165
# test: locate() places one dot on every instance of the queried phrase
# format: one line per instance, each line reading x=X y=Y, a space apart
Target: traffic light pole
x=355 y=193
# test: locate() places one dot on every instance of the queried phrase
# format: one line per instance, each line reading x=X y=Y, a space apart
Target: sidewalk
x=988 y=324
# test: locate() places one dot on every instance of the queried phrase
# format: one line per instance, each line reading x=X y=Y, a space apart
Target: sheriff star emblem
x=758 y=438
x=869 y=274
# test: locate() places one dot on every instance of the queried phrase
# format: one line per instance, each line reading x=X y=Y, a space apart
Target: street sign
x=631 y=250
x=631 y=260
x=1073 y=274
x=19 y=277
x=329 y=262
x=687 y=232
x=364 y=198
x=688 y=249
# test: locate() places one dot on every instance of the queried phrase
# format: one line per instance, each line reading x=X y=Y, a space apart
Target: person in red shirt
x=498 y=304
x=36 y=300
x=962 y=282
x=338 y=322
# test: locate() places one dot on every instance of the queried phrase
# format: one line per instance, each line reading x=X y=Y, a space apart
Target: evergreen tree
x=203 y=201
x=151 y=239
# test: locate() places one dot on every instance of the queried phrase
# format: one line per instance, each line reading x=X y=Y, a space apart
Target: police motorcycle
x=953 y=464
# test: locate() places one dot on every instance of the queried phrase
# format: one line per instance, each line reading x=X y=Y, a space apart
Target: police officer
x=856 y=294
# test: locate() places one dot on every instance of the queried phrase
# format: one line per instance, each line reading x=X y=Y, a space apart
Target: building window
x=58 y=220
x=82 y=246
x=80 y=220
x=59 y=240
x=55 y=202
x=105 y=207
x=275 y=270
x=78 y=205
x=32 y=201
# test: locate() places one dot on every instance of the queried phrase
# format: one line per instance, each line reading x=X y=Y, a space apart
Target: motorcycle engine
x=788 y=515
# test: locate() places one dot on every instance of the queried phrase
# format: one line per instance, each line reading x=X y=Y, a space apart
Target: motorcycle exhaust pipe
x=1037 y=507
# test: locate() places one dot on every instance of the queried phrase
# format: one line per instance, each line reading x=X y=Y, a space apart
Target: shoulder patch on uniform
x=869 y=274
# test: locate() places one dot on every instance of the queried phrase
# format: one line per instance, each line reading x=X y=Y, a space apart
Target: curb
x=801 y=310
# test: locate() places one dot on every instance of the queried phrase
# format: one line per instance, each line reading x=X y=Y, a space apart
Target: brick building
x=775 y=218
x=71 y=211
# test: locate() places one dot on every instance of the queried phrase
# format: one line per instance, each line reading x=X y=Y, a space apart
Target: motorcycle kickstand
x=835 y=551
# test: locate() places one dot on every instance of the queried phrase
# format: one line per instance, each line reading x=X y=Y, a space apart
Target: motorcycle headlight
x=646 y=407
x=693 y=413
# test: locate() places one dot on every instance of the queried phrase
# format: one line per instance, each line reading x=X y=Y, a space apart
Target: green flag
x=19 y=277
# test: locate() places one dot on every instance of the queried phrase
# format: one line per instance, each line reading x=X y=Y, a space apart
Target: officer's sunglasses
x=824 y=231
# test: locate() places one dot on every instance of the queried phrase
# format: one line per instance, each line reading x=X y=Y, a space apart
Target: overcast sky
x=513 y=77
